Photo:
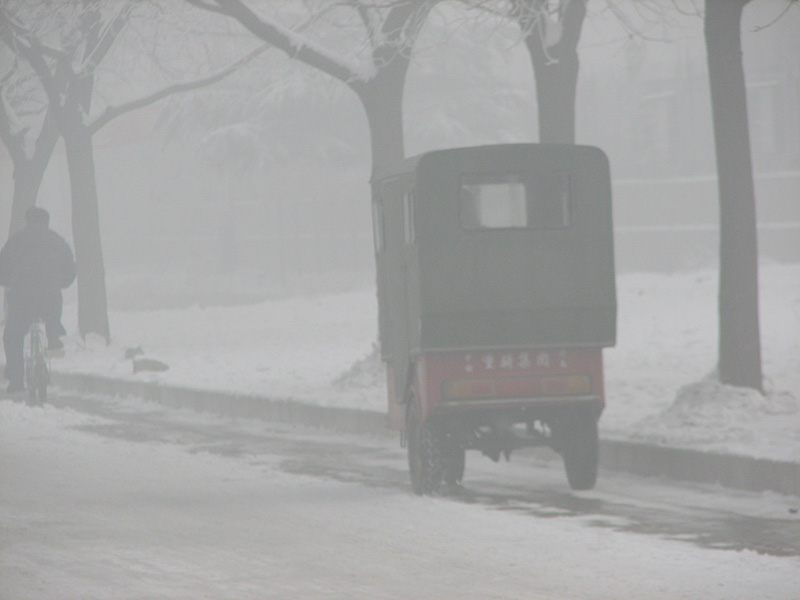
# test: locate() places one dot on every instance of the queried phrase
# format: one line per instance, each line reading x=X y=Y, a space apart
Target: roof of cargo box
x=398 y=167
x=410 y=164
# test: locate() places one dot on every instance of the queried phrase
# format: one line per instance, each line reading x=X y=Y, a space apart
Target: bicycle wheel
x=30 y=377
x=37 y=373
x=41 y=378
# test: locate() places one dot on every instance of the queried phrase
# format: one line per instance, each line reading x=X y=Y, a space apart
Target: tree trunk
x=28 y=174
x=92 y=303
x=555 y=69
x=382 y=98
x=27 y=181
x=739 y=337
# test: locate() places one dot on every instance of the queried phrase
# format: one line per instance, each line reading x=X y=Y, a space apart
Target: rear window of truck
x=509 y=201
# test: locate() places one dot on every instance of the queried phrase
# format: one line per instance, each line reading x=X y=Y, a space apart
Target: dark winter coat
x=35 y=264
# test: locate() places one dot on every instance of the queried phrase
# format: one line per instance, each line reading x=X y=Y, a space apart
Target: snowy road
x=103 y=498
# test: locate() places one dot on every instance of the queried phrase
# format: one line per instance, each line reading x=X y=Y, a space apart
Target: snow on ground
x=86 y=516
x=660 y=383
x=320 y=349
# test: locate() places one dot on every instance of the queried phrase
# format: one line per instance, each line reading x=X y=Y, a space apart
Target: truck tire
x=580 y=449
x=424 y=453
x=454 y=461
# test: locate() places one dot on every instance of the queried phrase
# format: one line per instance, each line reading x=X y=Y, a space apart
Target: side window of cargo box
x=377 y=226
x=409 y=232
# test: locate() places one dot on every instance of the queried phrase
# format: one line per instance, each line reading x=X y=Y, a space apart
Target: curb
x=727 y=470
x=347 y=420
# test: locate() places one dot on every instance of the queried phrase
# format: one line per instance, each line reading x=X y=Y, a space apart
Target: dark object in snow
x=148 y=364
x=133 y=352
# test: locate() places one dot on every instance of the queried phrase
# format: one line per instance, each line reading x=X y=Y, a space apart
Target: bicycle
x=37 y=363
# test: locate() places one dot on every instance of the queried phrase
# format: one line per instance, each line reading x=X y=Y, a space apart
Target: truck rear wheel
x=580 y=449
x=454 y=461
x=424 y=453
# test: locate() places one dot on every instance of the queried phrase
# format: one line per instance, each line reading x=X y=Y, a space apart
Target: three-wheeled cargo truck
x=496 y=296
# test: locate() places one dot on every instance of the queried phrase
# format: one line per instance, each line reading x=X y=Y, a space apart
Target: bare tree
x=551 y=34
x=69 y=93
x=388 y=31
x=739 y=336
x=65 y=51
x=28 y=131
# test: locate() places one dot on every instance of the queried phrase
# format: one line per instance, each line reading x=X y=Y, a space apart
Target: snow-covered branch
x=112 y=112
x=289 y=41
x=21 y=40
x=108 y=36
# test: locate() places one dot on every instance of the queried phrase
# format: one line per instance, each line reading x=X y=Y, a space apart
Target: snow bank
x=320 y=349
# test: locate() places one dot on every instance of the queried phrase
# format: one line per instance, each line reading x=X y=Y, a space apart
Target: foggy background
x=277 y=187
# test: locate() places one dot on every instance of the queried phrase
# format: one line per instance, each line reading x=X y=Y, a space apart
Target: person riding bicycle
x=35 y=264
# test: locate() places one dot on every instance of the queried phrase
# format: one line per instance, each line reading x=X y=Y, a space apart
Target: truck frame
x=496 y=296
